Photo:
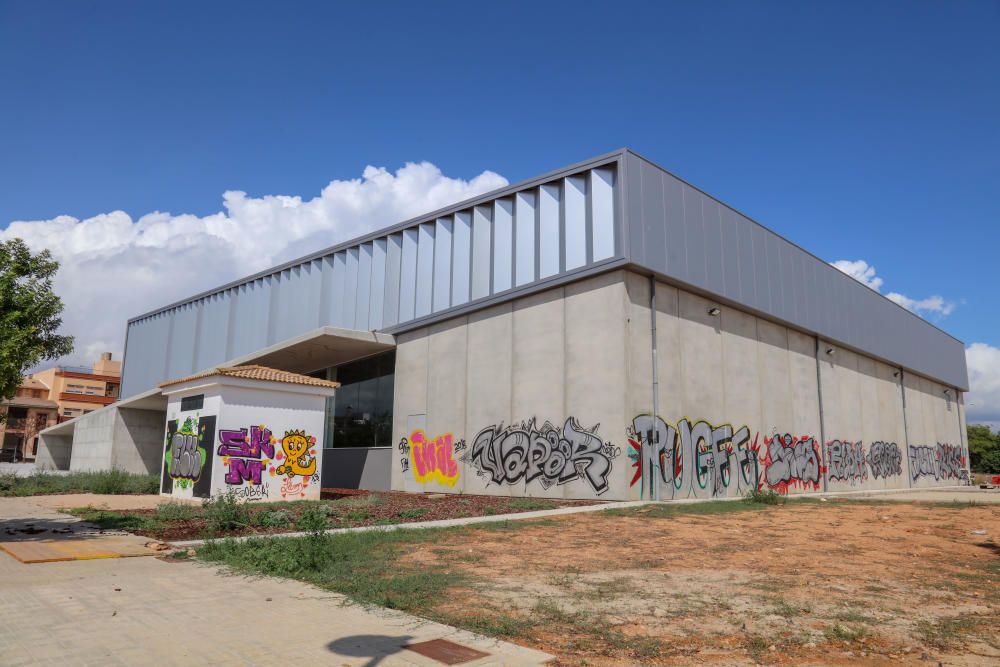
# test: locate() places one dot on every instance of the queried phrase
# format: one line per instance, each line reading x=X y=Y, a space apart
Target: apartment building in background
x=27 y=413
x=52 y=396
x=79 y=390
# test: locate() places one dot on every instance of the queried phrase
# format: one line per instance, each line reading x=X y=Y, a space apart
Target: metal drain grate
x=445 y=651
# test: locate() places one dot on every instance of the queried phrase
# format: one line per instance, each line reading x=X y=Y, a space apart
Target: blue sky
x=858 y=130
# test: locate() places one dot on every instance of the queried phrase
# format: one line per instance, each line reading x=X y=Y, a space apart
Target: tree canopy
x=29 y=313
x=984 y=449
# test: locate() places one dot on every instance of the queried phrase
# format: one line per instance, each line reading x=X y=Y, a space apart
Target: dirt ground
x=839 y=582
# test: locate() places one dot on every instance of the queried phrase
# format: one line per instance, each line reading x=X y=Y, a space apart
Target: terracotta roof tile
x=257 y=373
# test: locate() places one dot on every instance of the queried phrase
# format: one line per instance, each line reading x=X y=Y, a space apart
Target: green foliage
x=29 y=313
x=413 y=513
x=529 y=504
x=273 y=519
x=312 y=520
x=365 y=566
x=111 y=520
x=115 y=482
x=174 y=511
x=225 y=513
x=764 y=497
x=984 y=449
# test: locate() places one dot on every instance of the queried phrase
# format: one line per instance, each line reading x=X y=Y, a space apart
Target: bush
x=173 y=511
x=312 y=520
x=225 y=513
x=117 y=482
x=273 y=519
x=990 y=462
x=764 y=497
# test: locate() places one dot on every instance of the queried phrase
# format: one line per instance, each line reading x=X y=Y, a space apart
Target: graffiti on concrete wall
x=845 y=461
x=432 y=459
x=186 y=458
x=943 y=461
x=551 y=455
x=247 y=453
x=690 y=456
x=791 y=462
x=885 y=460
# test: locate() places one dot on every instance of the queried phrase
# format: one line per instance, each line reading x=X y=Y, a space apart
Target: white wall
x=546 y=368
x=247 y=435
x=737 y=402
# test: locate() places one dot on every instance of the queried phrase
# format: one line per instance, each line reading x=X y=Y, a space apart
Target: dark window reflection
x=360 y=414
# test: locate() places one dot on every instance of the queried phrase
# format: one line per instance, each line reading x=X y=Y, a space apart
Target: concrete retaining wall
x=357 y=468
x=54 y=452
x=553 y=395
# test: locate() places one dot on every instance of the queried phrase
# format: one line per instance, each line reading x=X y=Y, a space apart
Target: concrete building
x=604 y=330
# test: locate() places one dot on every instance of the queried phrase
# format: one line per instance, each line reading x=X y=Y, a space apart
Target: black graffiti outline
x=553 y=456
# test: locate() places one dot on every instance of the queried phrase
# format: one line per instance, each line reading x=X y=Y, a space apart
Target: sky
x=159 y=149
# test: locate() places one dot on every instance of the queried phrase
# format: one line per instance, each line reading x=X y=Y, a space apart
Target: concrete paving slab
x=145 y=611
x=32 y=533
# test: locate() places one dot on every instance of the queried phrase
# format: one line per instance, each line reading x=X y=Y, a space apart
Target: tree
x=984 y=448
x=29 y=313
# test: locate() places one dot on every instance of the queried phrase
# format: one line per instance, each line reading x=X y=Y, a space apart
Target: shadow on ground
x=374 y=647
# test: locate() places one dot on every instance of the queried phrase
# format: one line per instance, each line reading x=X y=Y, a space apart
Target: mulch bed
x=351 y=508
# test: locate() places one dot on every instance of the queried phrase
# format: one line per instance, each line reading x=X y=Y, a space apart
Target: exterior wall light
x=947 y=392
x=895 y=374
x=830 y=351
x=714 y=312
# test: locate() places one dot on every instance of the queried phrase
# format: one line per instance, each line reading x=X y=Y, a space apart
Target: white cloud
x=865 y=273
x=114 y=267
x=861 y=271
x=983 y=400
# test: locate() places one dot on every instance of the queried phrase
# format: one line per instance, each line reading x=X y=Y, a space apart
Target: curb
x=440 y=523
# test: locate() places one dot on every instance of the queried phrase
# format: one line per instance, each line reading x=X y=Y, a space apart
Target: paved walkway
x=146 y=611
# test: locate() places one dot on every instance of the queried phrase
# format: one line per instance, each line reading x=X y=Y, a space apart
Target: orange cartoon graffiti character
x=298 y=459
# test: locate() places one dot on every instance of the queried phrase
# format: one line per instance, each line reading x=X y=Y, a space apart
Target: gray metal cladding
x=498 y=244
x=614 y=210
x=680 y=233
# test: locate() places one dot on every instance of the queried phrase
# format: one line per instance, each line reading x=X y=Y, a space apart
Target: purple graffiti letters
x=245 y=463
x=235 y=443
x=244 y=470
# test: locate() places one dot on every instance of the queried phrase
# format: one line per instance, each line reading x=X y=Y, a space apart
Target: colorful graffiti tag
x=432 y=459
x=527 y=452
x=185 y=456
x=247 y=453
x=689 y=457
x=791 y=462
